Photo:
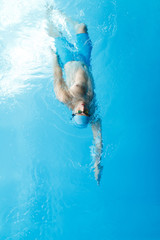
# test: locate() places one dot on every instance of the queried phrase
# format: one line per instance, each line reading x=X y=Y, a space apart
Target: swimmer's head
x=81 y=117
x=80 y=121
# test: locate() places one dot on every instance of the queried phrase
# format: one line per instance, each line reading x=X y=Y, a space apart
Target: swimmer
x=73 y=81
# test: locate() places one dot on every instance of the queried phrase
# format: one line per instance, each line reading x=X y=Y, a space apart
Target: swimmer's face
x=81 y=106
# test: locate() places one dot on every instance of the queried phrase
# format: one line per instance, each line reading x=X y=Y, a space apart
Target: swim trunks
x=68 y=52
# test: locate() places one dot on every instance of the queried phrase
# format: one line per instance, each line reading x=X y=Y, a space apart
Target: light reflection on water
x=24 y=46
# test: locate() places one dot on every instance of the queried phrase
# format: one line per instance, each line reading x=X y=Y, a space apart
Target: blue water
x=47 y=185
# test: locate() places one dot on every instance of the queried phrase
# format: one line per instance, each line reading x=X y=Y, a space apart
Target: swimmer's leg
x=77 y=26
x=52 y=30
x=51 y=27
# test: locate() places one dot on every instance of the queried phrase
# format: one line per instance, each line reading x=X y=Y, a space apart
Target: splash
x=24 y=46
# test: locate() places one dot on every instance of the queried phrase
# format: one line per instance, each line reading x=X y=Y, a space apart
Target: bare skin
x=79 y=94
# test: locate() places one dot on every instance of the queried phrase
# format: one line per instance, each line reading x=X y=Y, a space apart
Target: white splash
x=24 y=45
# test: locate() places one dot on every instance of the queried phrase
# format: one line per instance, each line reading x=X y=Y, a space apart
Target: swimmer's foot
x=52 y=30
x=51 y=27
x=49 y=9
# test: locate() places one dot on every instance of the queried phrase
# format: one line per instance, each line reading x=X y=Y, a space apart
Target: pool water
x=47 y=185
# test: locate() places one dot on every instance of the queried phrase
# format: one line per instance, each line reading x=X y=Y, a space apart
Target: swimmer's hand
x=98 y=171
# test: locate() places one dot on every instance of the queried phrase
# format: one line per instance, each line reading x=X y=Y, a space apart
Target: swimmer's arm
x=60 y=87
x=97 y=135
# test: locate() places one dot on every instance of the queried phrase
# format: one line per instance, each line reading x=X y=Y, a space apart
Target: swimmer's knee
x=81 y=28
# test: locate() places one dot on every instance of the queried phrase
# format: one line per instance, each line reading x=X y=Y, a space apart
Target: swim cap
x=80 y=121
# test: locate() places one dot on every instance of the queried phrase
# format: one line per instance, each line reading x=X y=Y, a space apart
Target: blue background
x=47 y=185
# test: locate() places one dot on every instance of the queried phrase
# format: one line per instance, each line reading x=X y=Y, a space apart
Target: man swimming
x=77 y=90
